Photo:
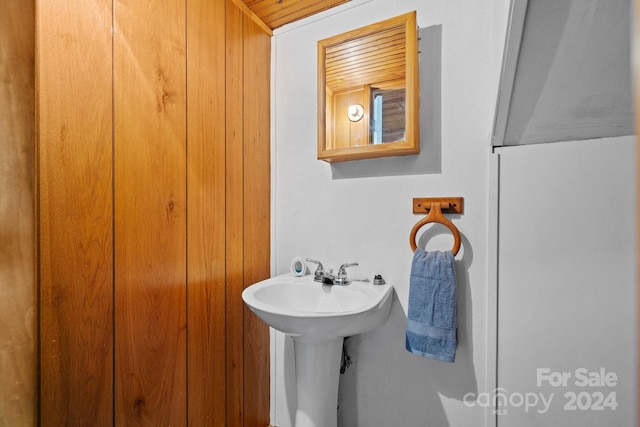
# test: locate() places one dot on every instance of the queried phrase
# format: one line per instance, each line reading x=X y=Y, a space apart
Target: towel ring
x=435 y=215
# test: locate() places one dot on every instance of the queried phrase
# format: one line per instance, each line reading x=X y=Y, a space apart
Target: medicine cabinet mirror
x=368 y=92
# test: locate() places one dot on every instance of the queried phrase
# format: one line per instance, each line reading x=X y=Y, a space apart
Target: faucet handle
x=316 y=262
x=319 y=273
x=342 y=274
x=343 y=268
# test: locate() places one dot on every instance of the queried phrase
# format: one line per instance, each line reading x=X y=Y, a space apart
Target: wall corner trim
x=244 y=8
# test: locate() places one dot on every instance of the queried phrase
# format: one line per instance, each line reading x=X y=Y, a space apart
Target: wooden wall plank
x=150 y=209
x=257 y=222
x=17 y=278
x=74 y=143
x=234 y=209
x=206 y=211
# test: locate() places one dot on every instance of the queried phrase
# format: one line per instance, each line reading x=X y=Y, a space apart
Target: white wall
x=361 y=211
x=567 y=289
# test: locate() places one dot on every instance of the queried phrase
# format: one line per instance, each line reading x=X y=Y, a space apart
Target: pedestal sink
x=318 y=317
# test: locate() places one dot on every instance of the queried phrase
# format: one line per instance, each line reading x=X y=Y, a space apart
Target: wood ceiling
x=276 y=13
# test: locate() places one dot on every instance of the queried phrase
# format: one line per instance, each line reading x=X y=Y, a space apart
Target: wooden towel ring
x=435 y=215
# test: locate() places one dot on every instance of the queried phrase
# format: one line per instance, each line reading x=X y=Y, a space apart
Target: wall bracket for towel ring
x=435 y=207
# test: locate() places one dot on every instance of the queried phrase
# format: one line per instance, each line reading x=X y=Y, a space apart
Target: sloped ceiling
x=567 y=72
x=276 y=13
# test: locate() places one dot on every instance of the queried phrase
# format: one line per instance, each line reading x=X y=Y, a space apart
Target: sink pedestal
x=318 y=317
x=317 y=376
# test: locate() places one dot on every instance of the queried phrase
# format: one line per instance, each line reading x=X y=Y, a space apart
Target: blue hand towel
x=431 y=321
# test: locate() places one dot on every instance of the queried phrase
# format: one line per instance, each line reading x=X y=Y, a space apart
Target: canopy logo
x=501 y=401
x=591 y=396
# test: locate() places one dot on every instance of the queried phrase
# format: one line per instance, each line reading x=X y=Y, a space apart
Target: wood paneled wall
x=153 y=196
x=17 y=282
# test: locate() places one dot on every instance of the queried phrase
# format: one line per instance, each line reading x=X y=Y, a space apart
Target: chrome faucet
x=327 y=277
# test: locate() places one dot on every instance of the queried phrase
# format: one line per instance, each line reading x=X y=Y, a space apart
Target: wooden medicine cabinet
x=368 y=92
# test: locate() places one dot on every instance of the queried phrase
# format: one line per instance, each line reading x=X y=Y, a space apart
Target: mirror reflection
x=368 y=91
x=388 y=116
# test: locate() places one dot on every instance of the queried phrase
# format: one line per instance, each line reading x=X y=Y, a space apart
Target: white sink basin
x=300 y=307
